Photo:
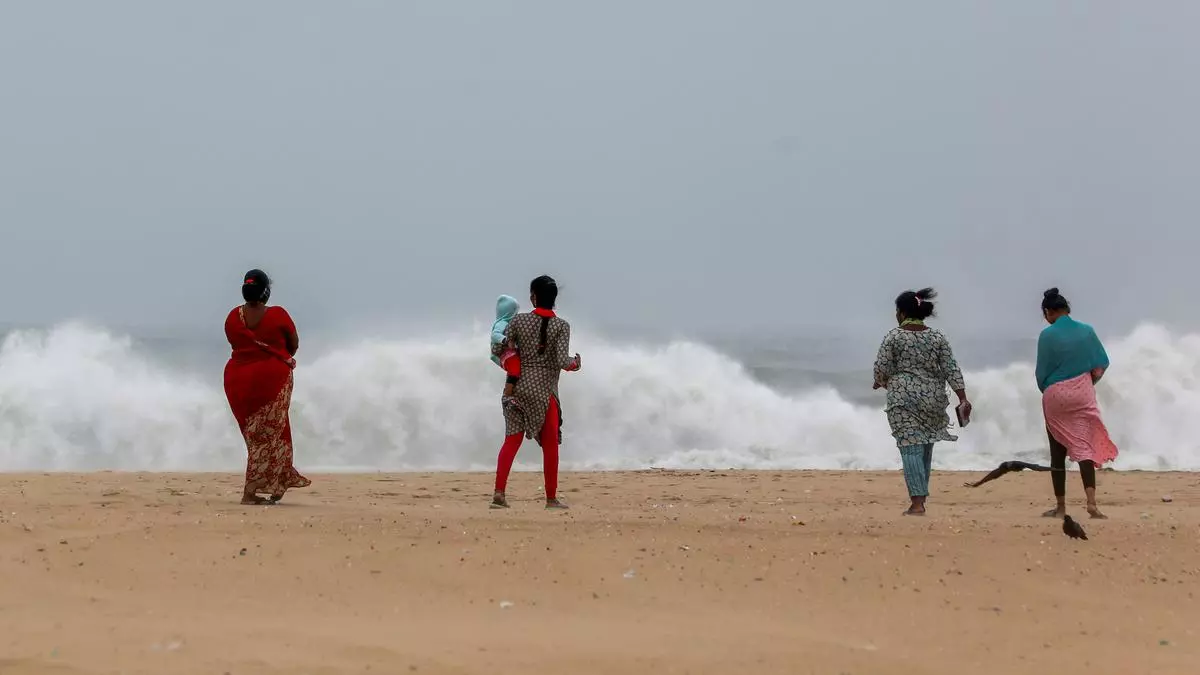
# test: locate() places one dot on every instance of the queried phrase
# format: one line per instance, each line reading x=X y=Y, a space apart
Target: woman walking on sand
x=258 y=384
x=915 y=364
x=1070 y=361
x=543 y=341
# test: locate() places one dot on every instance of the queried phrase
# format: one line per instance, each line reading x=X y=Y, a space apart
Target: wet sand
x=650 y=572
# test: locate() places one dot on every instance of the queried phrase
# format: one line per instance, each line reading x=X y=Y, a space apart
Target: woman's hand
x=879 y=385
x=575 y=364
x=964 y=404
x=291 y=363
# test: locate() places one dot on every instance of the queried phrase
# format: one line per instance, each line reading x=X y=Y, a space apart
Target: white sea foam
x=80 y=398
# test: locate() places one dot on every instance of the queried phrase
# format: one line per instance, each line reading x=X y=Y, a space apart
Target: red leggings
x=549 y=438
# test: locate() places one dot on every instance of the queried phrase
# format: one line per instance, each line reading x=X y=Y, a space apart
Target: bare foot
x=912 y=511
x=1094 y=512
x=1055 y=513
x=555 y=505
x=254 y=500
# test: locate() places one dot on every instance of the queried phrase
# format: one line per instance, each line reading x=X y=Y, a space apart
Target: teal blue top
x=1066 y=350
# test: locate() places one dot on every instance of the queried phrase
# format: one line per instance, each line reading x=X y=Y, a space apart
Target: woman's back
x=916 y=364
x=526 y=331
x=269 y=338
x=1067 y=349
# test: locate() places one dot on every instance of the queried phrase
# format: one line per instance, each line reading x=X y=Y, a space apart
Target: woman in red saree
x=258 y=384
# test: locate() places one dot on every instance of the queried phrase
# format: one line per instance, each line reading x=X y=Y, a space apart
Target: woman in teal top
x=1070 y=361
x=1067 y=348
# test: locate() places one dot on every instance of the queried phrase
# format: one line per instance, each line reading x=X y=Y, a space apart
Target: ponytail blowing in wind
x=917 y=305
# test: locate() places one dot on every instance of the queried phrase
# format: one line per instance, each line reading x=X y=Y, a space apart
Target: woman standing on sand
x=544 y=342
x=1070 y=361
x=258 y=384
x=915 y=364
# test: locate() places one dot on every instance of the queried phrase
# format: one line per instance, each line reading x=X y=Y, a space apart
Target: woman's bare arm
x=293 y=342
x=291 y=338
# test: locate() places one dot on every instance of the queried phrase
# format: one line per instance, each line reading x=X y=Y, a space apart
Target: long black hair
x=916 y=304
x=1053 y=301
x=256 y=286
x=544 y=290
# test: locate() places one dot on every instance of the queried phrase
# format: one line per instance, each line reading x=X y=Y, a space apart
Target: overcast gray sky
x=680 y=164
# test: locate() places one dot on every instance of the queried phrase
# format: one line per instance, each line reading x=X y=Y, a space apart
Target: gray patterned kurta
x=916 y=366
x=539 y=371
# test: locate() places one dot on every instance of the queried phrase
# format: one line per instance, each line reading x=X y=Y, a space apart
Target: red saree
x=258 y=384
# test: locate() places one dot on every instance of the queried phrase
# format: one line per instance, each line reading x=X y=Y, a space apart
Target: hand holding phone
x=963 y=412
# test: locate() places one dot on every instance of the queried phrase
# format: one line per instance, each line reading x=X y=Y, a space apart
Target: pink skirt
x=1073 y=418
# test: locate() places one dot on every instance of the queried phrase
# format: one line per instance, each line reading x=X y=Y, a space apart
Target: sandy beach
x=657 y=571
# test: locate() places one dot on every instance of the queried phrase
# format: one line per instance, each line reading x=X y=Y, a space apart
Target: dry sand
x=652 y=572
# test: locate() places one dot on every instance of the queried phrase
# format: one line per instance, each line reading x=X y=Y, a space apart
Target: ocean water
x=78 y=397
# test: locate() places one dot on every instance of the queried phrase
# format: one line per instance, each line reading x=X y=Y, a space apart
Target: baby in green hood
x=506 y=308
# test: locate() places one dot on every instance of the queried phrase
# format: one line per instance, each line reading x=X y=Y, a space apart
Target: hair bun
x=1051 y=293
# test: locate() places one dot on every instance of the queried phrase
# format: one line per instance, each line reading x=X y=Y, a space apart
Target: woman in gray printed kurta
x=915 y=364
x=543 y=342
